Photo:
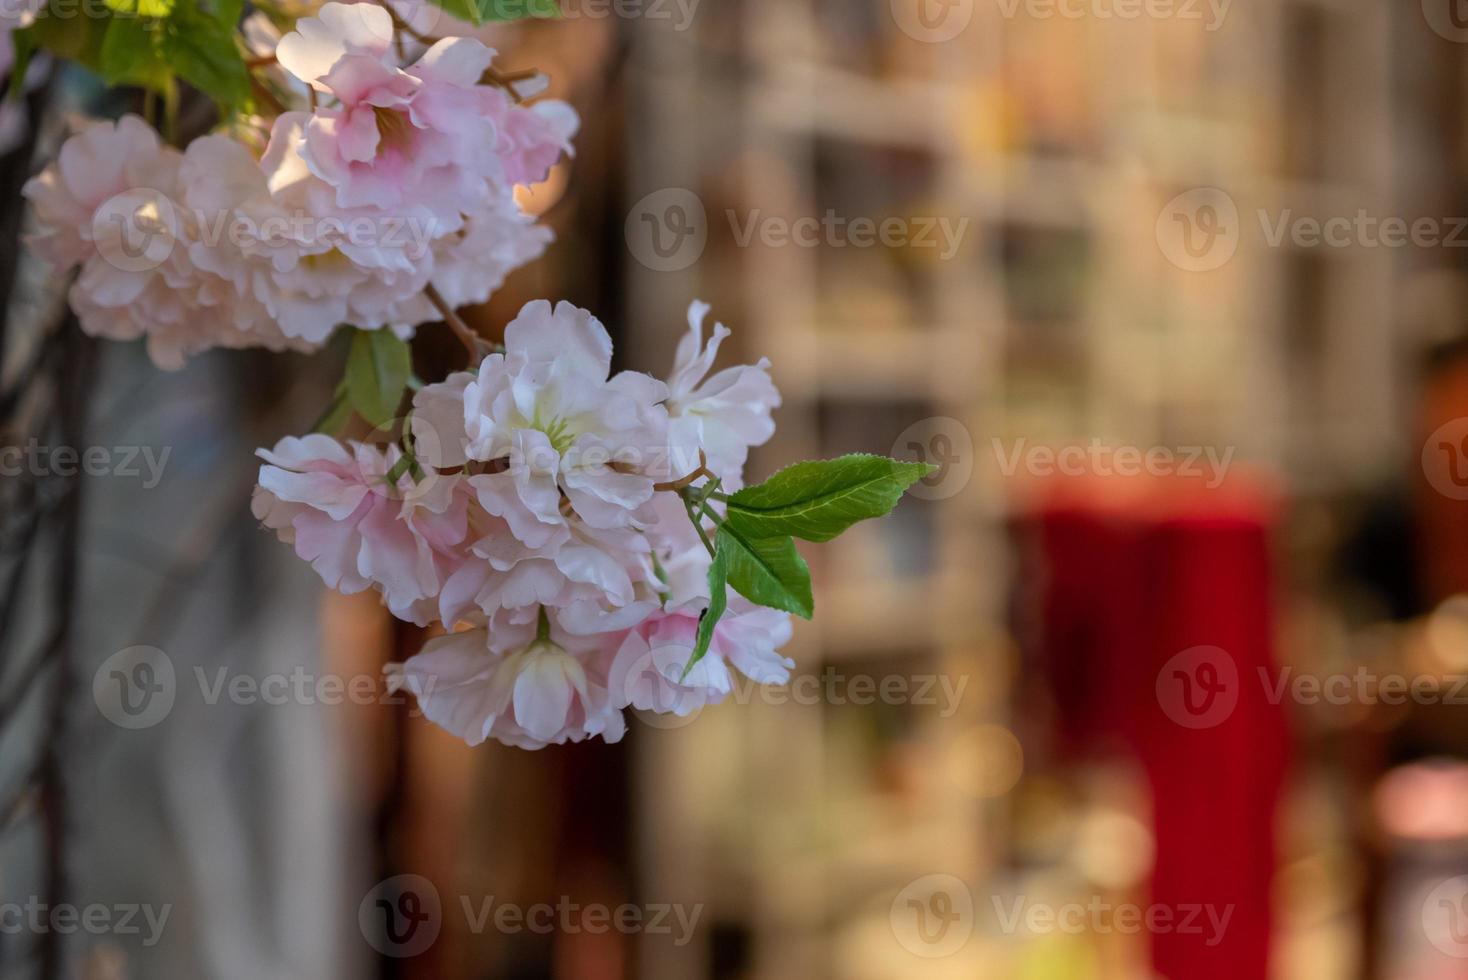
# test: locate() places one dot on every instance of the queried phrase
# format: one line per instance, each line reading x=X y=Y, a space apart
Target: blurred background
x=1162 y=674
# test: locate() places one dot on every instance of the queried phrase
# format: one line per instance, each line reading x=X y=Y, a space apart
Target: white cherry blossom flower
x=523 y=685
x=725 y=414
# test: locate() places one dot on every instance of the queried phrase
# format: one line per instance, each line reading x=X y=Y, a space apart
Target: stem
x=171 y=100
x=678 y=486
x=698 y=526
x=542 y=629
x=405 y=464
x=467 y=337
x=337 y=401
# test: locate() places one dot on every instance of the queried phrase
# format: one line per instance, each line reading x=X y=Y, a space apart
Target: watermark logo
x=129 y=462
x=135 y=231
x=35 y=917
x=1445 y=917
x=679 y=12
x=652 y=685
x=942 y=442
x=1447 y=18
x=1199 y=230
x=833 y=229
x=1445 y=459
x=138 y=688
x=932 y=21
x=1100 y=917
x=1210 y=13
x=401 y=917
x=135 y=688
x=572 y=918
x=1097 y=458
x=667 y=230
x=933 y=917
x=1199 y=688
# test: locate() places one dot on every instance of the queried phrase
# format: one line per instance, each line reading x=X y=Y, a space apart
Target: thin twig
x=676 y=486
x=467 y=337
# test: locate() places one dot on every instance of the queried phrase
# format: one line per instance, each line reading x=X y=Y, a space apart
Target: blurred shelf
x=854 y=107
x=864 y=363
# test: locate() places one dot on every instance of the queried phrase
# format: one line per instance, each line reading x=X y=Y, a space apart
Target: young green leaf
x=719 y=590
x=201 y=49
x=141 y=8
x=62 y=33
x=132 y=54
x=378 y=368
x=334 y=419
x=819 y=499
x=768 y=571
x=481 y=11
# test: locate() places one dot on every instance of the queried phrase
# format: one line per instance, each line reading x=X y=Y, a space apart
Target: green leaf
x=817 y=500
x=70 y=34
x=25 y=51
x=480 y=11
x=202 y=51
x=152 y=41
x=337 y=413
x=141 y=8
x=228 y=12
x=719 y=590
x=768 y=571
x=132 y=54
x=378 y=368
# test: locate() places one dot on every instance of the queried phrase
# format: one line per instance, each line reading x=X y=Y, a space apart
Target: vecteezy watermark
x=679 y=12
x=1098 y=458
x=1445 y=459
x=139 y=229
x=1099 y=917
x=35 y=917
x=835 y=230
x=1210 y=13
x=1201 y=687
x=945 y=443
x=1445 y=917
x=131 y=462
x=933 y=917
x=138 y=687
x=674 y=706
x=1200 y=230
x=1447 y=18
x=667 y=230
x=932 y=21
x=403 y=916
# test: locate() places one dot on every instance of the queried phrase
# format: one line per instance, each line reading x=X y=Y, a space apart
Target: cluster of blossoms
x=534 y=525
x=541 y=516
x=384 y=185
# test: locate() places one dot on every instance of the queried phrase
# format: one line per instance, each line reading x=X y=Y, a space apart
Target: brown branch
x=471 y=340
x=675 y=485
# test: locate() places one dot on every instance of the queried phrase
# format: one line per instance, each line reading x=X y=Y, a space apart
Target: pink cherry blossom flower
x=549 y=408
x=522 y=685
x=647 y=672
x=598 y=580
x=334 y=504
